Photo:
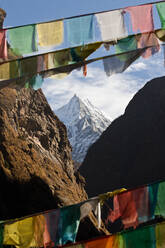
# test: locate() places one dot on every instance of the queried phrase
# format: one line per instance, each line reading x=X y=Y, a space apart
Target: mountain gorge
x=130 y=152
x=84 y=122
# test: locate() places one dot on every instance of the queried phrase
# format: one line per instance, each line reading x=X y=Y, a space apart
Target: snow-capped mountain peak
x=84 y=123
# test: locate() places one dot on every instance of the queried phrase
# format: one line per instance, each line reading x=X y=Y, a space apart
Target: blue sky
x=22 y=12
x=110 y=94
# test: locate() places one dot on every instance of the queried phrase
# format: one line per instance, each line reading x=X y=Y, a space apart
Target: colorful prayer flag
x=23 y=39
x=80 y=30
x=50 y=34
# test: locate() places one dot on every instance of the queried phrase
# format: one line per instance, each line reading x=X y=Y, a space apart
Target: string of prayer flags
x=161 y=11
x=112 y=25
x=50 y=34
x=3 y=45
x=141 y=18
x=23 y=39
x=63 y=61
x=145 y=237
x=49 y=229
x=80 y=30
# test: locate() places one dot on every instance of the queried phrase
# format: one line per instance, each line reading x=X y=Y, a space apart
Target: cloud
x=109 y=94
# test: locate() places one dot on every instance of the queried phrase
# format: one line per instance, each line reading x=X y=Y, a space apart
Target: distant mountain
x=84 y=122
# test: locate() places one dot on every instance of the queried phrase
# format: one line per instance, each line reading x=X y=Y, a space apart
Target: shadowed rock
x=131 y=150
x=36 y=168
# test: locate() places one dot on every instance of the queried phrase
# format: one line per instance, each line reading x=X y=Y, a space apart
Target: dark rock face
x=131 y=151
x=36 y=169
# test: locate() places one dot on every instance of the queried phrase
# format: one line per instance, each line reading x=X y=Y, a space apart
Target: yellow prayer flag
x=5 y=71
x=19 y=233
x=160 y=236
x=50 y=34
x=25 y=233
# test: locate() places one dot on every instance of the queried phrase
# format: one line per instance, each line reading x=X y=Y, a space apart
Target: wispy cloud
x=109 y=94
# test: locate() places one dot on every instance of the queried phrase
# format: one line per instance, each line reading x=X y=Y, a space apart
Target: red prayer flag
x=3 y=44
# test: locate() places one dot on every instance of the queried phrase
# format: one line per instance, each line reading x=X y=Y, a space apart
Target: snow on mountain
x=84 y=122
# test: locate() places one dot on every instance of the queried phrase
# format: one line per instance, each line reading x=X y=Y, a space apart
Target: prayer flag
x=160 y=206
x=161 y=11
x=5 y=71
x=82 y=52
x=140 y=238
x=35 y=82
x=153 y=193
x=28 y=66
x=23 y=39
x=68 y=224
x=112 y=25
x=50 y=34
x=113 y=241
x=51 y=227
x=127 y=44
x=80 y=30
x=3 y=45
x=141 y=17
x=146 y=40
x=124 y=208
x=20 y=233
x=160 y=235
x=117 y=64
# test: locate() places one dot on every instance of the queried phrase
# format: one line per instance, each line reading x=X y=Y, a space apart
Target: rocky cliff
x=36 y=168
x=131 y=150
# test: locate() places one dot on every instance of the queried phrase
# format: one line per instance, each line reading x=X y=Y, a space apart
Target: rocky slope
x=36 y=168
x=131 y=151
x=84 y=122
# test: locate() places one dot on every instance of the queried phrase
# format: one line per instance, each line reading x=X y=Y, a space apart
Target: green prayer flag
x=153 y=191
x=68 y=225
x=160 y=206
x=161 y=11
x=124 y=45
x=23 y=39
x=140 y=238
